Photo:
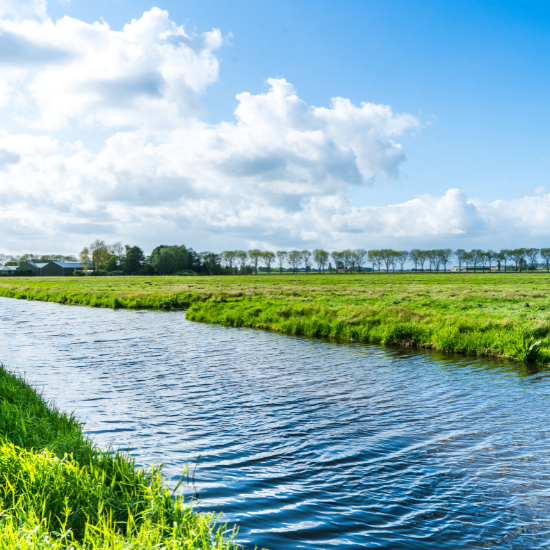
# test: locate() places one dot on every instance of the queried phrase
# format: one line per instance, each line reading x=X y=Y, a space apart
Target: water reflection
x=304 y=443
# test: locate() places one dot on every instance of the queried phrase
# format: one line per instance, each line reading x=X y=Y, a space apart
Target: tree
x=228 y=257
x=422 y=257
x=118 y=250
x=99 y=254
x=348 y=259
x=460 y=256
x=282 y=258
x=414 y=256
x=255 y=256
x=111 y=264
x=320 y=257
x=212 y=262
x=385 y=255
x=171 y=259
x=374 y=258
x=337 y=257
x=476 y=256
x=402 y=258
x=84 y=257
x=517 y=256
x=533 y=255
x=133 y=259
x=360 y=257
x=545 y=253
x=490 y=256
x=241 y=256
x=445 y=256
x=295 y=259
x=306 y=255
x=268 y=258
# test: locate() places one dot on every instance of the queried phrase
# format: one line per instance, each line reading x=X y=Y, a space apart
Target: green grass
x=496 y=314
x=59 y=491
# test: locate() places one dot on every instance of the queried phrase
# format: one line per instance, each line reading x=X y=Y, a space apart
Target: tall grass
x=59 y=491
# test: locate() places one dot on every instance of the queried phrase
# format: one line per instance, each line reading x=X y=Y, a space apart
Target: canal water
x=304 y=443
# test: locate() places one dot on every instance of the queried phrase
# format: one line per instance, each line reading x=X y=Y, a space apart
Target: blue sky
x=473 y=75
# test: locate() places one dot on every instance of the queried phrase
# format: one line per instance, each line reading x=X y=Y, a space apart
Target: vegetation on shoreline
x=59 y=492
x=501 y=315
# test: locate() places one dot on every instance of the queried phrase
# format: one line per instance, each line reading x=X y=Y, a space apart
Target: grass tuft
x=59 y=491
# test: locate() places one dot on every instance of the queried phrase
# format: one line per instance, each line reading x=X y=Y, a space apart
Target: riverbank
x=58 y=491
x=494 y=314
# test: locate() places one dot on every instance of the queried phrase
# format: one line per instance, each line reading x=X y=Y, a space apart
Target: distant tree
x=460 y=257
x=533 y=255
x=348 y=259
x=84 y=257
x=386 y=255
x=295 y=260
x=268 y=258
x=167 y=259
x=402 y=258
x=545 y=253
x=422 y=257
x=2 y=259
x=241 y=256
x=111 y=264
x=477 y=256
x=306 y=255
x=517 y=256
x=133 y=259
x=118 y=250
x=99 y=253
x=489 y=256
x=414 y=256
x=338 y=260
x=228 y=257
x=508 y=256
x=255 y=255
x=360 y=257
x=445 y=255
x=320 y=257
x=375 y=259
x=282 y=258
x=212 y=262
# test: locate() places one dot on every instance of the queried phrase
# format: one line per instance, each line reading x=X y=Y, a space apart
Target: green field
x=493 y=314
x=59 y=492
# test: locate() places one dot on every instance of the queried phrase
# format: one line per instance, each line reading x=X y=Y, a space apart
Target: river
x=304 y=443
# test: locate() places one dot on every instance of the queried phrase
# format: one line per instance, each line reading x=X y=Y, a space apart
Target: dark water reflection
x=304 y=443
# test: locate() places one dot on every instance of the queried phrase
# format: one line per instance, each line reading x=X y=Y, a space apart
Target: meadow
x=493 y=314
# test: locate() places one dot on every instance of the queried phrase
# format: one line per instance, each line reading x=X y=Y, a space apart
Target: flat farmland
x=492 y=314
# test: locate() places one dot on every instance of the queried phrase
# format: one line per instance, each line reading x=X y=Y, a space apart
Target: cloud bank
x=276 y=176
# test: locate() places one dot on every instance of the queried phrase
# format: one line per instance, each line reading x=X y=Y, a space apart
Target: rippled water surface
x=304 y=443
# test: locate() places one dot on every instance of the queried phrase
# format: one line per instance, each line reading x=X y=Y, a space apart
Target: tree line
x=104 y=258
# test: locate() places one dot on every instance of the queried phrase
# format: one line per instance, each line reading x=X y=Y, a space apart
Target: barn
x=60 y=269
x=31 y=268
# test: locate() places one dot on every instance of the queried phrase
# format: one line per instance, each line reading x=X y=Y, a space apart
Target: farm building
x=31 y=268
x=60 y=269
x=47 y=269
x=7 y=269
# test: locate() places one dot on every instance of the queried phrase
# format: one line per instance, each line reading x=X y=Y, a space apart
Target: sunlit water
x=304 y=443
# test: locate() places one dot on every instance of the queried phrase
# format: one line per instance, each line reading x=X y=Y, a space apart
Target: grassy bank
x=58 y=491
x=480 y=314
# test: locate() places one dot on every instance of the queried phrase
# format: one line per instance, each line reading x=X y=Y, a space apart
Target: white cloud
x=151 y=74
x=23 y=9
x=275 y=176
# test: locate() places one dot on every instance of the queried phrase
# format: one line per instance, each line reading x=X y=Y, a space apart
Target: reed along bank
x=492 y=314
x=59 y=491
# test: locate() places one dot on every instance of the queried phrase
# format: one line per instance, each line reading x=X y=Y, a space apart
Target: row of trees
x=165 y=259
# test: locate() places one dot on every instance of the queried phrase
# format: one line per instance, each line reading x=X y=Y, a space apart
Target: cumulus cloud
x=277 y=175
x=149 y=75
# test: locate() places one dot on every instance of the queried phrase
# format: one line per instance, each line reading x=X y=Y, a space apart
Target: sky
x=278 y=125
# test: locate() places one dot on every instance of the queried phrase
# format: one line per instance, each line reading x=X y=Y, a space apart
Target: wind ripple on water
x=304 y=443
